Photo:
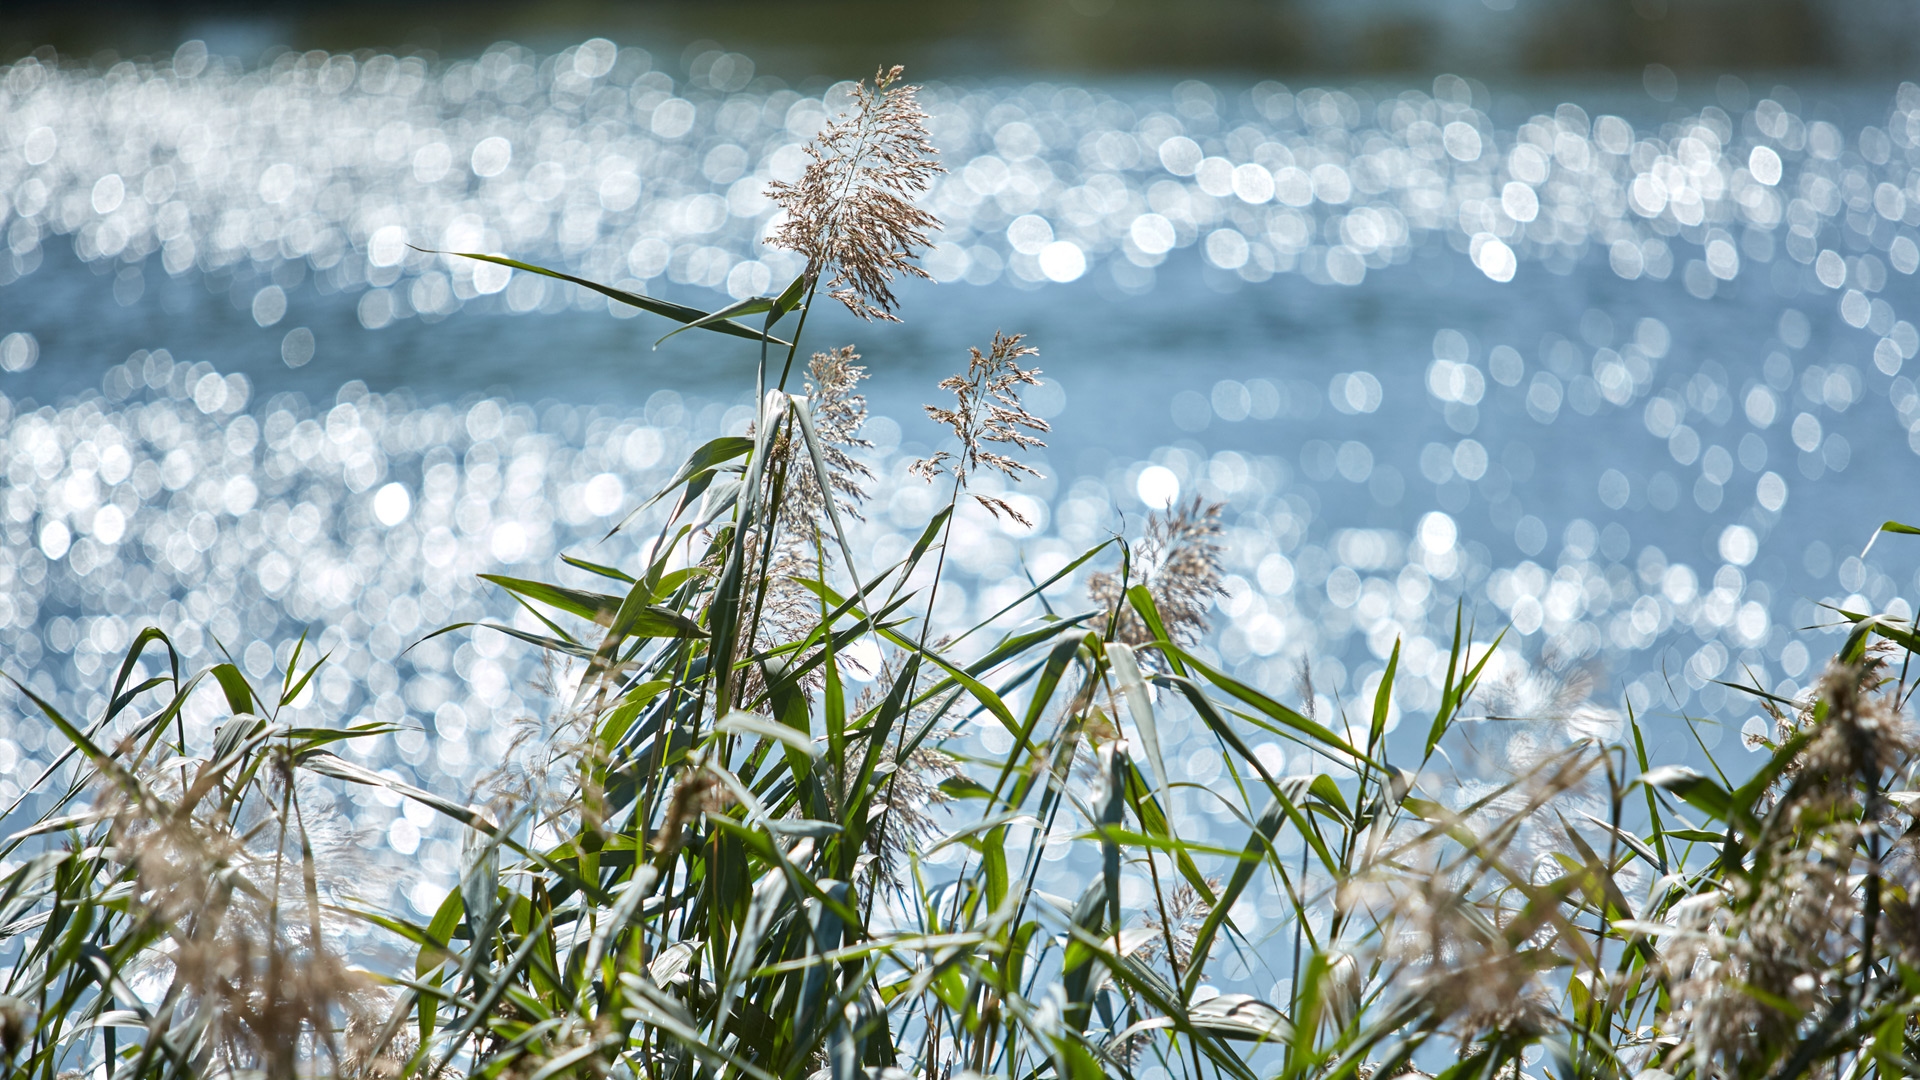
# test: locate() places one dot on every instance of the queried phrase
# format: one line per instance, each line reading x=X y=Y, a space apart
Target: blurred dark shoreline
x=797 y=39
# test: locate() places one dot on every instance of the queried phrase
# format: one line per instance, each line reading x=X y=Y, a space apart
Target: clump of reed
x=727 y=865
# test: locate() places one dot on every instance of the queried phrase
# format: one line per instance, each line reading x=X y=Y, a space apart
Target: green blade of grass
x=679 y=313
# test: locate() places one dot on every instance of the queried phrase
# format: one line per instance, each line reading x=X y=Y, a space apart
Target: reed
x=725 y=864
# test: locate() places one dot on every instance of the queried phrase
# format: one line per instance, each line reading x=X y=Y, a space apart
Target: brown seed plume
x=839 y=412
x=987 y=410
x=1179 y=562
x=852 y=211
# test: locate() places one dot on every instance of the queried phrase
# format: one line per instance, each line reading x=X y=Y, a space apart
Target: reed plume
x=1179 y=563
x=248 y=949
x=987 y=412
x=1758 y=953
x=1186 y=912
x=839 y=413
x=852 y=212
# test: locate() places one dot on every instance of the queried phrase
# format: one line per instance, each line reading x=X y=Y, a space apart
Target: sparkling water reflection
x=593 y=157
x=1674 y=368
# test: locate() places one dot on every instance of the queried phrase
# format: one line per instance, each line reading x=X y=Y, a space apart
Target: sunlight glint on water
x=177 y=495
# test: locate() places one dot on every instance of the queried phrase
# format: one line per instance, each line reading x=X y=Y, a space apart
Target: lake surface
x=1626 y=375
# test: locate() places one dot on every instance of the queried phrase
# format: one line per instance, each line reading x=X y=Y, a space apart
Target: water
x=1627 y=376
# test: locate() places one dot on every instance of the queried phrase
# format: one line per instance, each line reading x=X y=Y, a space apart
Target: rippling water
x=1627 y=376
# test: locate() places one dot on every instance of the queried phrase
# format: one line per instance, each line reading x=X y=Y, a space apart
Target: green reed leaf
x=704 y=459
x=1888 y=527
x=240 y=695
x=568 y=648
x=677 y=312
x=1140 y=598
x=1696 y=790
x=1126 y=672
x=1240 y=1016
x=738 y=722
x=1449 y=693
x=1135 y=838
x=750 y=306
x=789 y=299
x=291 y=688
x=595 y=607
x=595 y=568
x=1258 y=847
x=328 y=764
x=1383 y=702
x=1697 y=836
x=1273 y=709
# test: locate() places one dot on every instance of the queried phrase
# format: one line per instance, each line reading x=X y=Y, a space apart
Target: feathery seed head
x=851 y=213
x=1760 y=951
x=1179 y=562
x=785 y=610
x=839 y=411
x=1861 y=734
x=987 y=410
x=902 y=816
x=1303 y=685
x=367 y=1056
x=1543 y=710
x=1471 y=958
x=1187 y=911
x=231 y=889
